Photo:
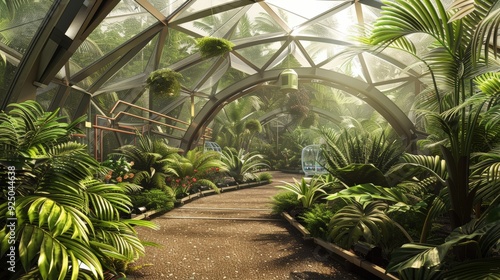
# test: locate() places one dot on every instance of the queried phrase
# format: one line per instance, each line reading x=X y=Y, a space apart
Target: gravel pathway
x=232 y=236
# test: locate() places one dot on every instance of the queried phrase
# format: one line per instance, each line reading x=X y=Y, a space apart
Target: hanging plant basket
x=164 y=82
x=212 y=46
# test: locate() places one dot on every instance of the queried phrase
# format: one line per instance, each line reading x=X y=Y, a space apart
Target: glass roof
x=84 y=56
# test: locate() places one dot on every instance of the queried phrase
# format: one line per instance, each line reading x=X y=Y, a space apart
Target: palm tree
x=452 y=62
x=64 y=216
x=460 y=109
x=233 y=126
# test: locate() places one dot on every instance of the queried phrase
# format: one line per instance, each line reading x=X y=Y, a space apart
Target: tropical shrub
x=241 y=166
x=197 y=168
x=154 y=199
x=265 y=176
x=64 y=216
x=316 y=220
x=284 y=202
x=150 y=161
x=361 y=145
x=306 y=193
x=119 y=170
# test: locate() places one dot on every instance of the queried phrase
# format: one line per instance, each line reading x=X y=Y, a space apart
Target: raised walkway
x=232 y=235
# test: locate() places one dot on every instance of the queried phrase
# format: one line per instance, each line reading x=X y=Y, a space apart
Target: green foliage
x=241 y=166
x=152 y=199
x=479 y=238
x=357 y=221
x=265 y=176
x=196 y=168
x=284 y=202
x=165 y=82
x=356 y=156
x=306 y=193
x=317 y=219
x=64 y=215
x=150 y=164
x=211 y=46
x=119 y=170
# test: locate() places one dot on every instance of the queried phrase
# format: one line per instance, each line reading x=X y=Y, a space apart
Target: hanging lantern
x=288 y=80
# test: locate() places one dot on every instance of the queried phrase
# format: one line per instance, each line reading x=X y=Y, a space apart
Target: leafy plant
x=306 y=193
x=316 y=220
x=265 y=176
x=194 y=169
x=479 y=237
x=152 y=199
x=360 y=146
x=457 y=104
x=164 y=82
x=64 y=216
x=150 y=158
x=241 y=166
x=367 y=221
x=119 y=170
x=284 y=202
x=212 y=46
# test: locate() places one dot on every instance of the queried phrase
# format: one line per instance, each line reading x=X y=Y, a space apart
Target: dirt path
x=232 y=236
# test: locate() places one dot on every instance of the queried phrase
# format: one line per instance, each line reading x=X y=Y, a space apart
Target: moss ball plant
x=164 y=82
x=212 y=46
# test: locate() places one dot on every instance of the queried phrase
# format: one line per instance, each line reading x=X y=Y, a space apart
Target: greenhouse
x=132 y=129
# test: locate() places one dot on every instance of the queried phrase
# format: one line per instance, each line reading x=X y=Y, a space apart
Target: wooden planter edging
x=305 y=233
x=347 y=255
x=194 y=196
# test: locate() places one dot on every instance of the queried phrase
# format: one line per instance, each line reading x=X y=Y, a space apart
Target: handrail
x=128 y=128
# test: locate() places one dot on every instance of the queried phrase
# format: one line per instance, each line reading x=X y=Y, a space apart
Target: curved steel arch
x=370 y=94
x=272 y=114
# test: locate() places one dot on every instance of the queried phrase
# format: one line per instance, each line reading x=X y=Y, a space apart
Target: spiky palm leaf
x=242 y=165
x=307 y=193
x=59 y=208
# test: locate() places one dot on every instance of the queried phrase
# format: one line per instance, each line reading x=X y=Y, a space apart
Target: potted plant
x=212 y=46
x=164 y=82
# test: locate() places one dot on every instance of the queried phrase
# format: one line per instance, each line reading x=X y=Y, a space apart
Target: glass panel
x=213 y=25
x=72 y=103
x=198 y=6
x=136 y=65
x=193 y=74
x=19 y=25
x=47 y=95
x=320 y=52
x=123 y=23
x=177 y=46
x=238 y=64
x=230 y=77
x=256 y=22
x=260 y=54
x=167 y=7
x=7 y=72
x=381 y=70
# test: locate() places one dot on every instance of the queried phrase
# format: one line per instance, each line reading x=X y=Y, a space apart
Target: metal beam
x=368 y=93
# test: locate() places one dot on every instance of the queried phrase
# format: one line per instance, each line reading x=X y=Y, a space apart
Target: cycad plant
x=357 y=156
x=307 y=192
x=241 y=165
x=193 y=170
x=150 y=161
x=55 y=215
